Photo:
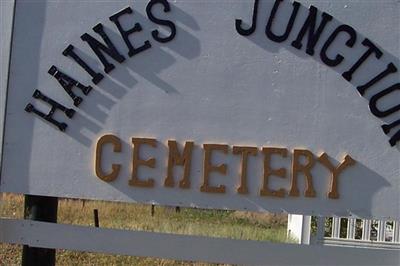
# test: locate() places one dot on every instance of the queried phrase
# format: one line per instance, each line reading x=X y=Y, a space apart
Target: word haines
x=103 y=48
x=183 y=159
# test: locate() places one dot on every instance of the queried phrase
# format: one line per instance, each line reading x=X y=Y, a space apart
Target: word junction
x=303 y=161
x=308 y=36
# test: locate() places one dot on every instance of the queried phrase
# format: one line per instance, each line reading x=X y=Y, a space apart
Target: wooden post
x=39 y=208
x=96 y=217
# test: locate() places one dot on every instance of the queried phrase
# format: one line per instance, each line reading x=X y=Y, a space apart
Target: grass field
x=226 y=224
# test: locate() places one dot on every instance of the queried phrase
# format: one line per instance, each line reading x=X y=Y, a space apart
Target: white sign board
x=279 y=105
x=6 y=16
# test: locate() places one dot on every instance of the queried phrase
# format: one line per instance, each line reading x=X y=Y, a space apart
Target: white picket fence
x=355 y=232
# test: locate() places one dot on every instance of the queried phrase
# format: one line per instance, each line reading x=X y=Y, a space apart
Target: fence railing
x=342 y=231
x=358 y=232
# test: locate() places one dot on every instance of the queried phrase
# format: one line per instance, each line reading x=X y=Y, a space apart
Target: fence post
x=299 y=226
x=396 y=231
x=381 y=231
x=351 y=228
x=39 y=208
x=336 y=227
x=366 y=231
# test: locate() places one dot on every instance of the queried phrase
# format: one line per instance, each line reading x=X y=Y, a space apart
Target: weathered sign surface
x=252 y=105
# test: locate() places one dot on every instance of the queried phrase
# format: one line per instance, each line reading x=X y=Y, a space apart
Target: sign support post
x=39 y=208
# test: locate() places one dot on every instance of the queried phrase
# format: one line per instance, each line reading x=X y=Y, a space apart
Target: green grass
x=214 y=223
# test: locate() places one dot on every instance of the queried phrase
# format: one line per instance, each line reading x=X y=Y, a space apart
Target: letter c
x=116 y=142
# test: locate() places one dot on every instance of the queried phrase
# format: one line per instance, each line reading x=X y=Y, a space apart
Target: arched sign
x=249 y=105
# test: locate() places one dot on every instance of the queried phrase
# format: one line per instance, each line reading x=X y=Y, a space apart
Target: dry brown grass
x=265 y=219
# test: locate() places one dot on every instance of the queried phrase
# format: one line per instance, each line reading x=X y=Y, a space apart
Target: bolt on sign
x=248 y=105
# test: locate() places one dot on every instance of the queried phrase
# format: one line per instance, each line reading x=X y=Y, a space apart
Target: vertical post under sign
x=39 y=208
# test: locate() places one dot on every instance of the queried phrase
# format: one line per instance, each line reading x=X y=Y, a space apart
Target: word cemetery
x=184 y=159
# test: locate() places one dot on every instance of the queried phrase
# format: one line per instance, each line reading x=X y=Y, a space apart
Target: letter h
x=54 y=106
